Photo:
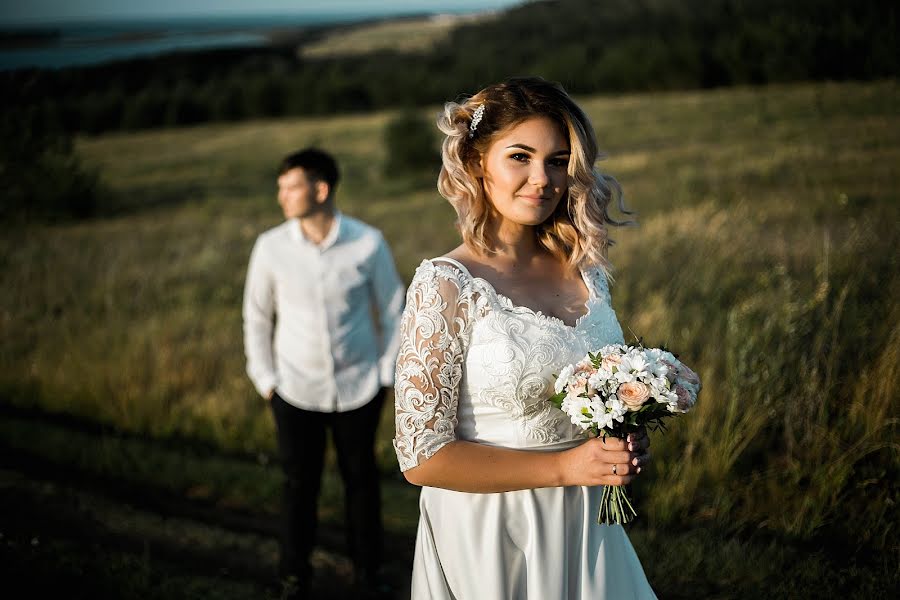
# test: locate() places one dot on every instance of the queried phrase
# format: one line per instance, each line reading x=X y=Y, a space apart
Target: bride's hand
x=606 y=462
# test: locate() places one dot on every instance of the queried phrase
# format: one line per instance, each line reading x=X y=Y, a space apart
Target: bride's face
x=525 y=171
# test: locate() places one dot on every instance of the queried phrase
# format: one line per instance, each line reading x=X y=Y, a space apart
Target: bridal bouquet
x=617 y=391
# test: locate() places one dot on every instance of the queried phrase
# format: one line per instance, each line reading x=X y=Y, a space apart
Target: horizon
x=37 y=14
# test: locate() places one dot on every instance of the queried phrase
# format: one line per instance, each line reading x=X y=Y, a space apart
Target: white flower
x=575 y=407
x=653 y=354
x=670 y=399
x=563 y=380
x=623 y=376
x=613 y=349
x=658 y=368
x=659 y=384
x=616 y=408
x=635 y=364
x=600 y=379
x=668 y=356
x=603 y=420
x=606 y=413
x=596 y=405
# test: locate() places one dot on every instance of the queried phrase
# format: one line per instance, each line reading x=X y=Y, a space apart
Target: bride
x=509 y=486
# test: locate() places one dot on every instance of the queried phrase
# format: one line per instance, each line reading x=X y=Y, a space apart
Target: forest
x=590 y=47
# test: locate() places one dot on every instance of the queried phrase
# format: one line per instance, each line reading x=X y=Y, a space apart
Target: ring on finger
x=615 y=469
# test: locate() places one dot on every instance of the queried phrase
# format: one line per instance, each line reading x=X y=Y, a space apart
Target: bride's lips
x=535 y=199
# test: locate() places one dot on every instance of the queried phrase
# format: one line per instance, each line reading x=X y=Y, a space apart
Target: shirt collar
x=328 y=241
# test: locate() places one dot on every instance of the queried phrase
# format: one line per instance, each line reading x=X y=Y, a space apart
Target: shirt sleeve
x=434 y=333
x=388 y=291
x=259 y=322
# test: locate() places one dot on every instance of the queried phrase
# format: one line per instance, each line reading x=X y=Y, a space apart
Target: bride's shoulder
x=441 y=270
x=457 y=263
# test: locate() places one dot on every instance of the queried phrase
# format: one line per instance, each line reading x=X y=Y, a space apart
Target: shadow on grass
x=78 y=514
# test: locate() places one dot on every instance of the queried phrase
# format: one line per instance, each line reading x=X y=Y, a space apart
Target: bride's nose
x=537 y=176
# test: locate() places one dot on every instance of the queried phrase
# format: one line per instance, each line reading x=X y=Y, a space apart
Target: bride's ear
x=477 y=166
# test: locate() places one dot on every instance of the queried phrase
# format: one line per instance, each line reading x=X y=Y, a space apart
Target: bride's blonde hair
x=576 y=232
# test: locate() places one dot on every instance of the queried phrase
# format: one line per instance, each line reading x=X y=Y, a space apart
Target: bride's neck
x=515 y=244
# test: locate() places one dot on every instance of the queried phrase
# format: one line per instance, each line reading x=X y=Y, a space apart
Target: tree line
x=590 y=46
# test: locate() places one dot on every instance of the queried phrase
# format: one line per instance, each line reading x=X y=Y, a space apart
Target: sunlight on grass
x=765 y=256
x=405 y=35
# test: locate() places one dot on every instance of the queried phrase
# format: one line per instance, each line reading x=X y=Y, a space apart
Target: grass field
x=766 y=255
x=417 y=34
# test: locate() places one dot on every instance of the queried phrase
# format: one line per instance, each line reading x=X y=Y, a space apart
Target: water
x=90 y=43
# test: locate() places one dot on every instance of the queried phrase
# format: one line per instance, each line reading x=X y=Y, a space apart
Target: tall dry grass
x=766 y=256
x=797 y=426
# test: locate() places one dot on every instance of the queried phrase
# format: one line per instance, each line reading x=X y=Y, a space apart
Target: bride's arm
x=471 y=467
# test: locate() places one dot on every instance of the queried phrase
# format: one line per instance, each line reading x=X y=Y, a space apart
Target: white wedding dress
x=473 y=366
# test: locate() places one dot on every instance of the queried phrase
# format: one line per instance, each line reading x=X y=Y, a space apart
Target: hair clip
x=476 y=119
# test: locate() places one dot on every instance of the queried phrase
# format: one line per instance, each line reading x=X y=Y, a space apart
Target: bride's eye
x=561 y=162
x=519 y=157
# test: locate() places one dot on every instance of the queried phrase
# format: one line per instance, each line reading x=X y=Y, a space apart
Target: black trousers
x=301 y=445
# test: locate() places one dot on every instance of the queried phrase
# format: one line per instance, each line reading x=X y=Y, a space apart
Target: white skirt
x=541 y=544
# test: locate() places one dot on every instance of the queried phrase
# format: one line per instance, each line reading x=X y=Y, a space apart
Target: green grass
x=413 y=35
x=766 y=256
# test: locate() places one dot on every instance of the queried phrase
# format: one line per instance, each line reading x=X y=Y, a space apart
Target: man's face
x=297 y=194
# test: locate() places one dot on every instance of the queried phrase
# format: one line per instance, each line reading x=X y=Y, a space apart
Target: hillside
x=766 y=256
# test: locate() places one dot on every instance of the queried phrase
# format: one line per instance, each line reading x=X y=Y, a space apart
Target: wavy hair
x=576 y=232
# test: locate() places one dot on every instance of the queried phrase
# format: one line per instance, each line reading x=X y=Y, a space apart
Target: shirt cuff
x=386 y=377
x=264 y=385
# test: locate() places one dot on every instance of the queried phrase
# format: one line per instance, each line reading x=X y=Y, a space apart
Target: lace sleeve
x=434 y=334
x=599 y=284
x=607 y=328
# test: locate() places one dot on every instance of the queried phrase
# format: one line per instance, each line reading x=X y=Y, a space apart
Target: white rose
x=563 y=379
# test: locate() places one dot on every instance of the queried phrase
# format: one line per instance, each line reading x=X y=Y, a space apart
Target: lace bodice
x=475 y=366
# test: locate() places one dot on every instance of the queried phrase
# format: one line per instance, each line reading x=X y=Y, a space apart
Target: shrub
x=412 y=146
x=40 y=175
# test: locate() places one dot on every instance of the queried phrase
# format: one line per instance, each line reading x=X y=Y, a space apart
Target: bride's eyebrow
x=530 y=149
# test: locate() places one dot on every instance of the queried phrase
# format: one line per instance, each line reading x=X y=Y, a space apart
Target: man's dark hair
x=317 y=164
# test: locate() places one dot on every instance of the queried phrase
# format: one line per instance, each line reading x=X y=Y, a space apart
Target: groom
x=320 y=357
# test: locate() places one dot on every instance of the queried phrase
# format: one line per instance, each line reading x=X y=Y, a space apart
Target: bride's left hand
x=639 y=441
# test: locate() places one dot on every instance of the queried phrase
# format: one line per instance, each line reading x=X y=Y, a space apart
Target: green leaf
x=557 y=399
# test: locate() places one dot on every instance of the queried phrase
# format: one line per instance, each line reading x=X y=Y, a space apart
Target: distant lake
x=88 y=43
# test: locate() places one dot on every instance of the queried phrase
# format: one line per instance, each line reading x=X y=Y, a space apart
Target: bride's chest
x=565 y=300
x=514 y=346
x=512 y=358
x=511 y=346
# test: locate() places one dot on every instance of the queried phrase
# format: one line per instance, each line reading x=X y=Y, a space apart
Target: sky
x=38 y=11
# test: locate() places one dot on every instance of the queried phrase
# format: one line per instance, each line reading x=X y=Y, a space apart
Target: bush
x=412 y=146
x=39 y=172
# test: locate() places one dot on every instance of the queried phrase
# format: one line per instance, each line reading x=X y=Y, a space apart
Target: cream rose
x=633 y=394
x=610 y=361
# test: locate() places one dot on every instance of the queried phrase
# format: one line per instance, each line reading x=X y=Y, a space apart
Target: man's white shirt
x=322 y=321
